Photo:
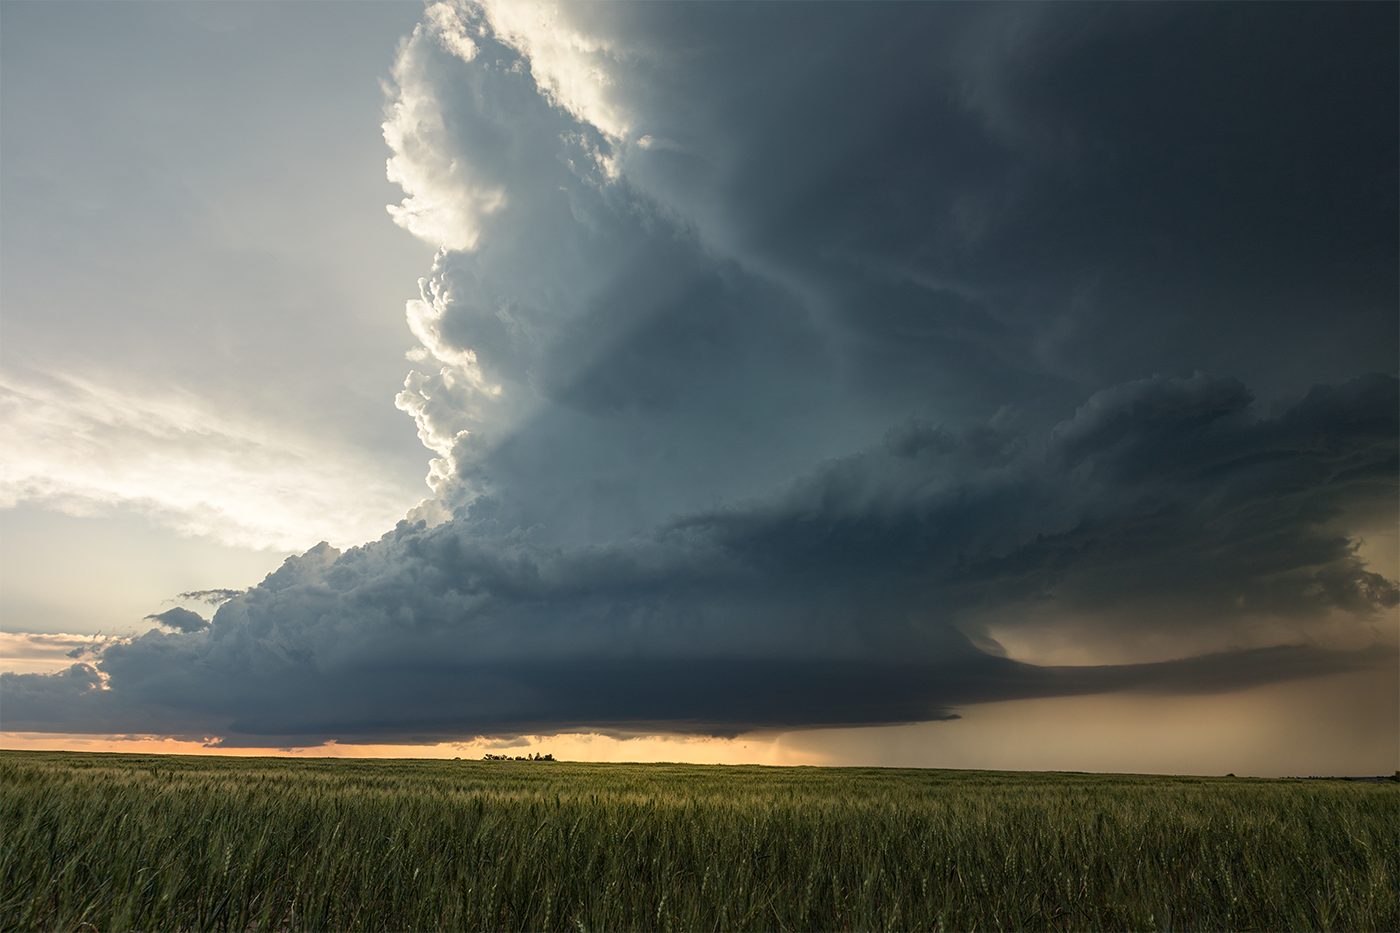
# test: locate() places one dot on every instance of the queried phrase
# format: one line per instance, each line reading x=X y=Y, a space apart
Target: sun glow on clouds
x=80 y=447
x=571 y=67
x=449 y=203
x=446 y=203
x=27 y=653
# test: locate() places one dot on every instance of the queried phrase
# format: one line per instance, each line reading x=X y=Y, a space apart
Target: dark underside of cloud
x=727 y=697
x=846 y=598
x=710 y=697
x=182 y=620
x=824 y=343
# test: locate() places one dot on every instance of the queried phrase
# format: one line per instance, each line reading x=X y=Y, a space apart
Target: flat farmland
x=123 y=842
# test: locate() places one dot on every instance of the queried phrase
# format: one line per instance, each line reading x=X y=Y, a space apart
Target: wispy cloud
x=79 y=447
x=25 y=653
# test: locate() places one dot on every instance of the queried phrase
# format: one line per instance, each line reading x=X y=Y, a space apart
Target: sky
x=937 y=385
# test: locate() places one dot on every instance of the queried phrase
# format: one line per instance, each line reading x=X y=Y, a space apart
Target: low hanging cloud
x=852 y=597
x=769 y=382
x=182 y=620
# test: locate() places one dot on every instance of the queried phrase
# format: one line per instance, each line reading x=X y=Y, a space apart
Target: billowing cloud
x=182 y=620
x=778 y=364
x=857 y=595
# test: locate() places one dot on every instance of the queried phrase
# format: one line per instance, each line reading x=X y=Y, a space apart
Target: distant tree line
x=537 y=757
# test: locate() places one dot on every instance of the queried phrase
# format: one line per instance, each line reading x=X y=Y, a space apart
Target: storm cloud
x=778 y=357
x=183 y=620
x=856 y=595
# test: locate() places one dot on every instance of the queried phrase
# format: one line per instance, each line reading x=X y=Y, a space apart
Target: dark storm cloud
x=855 y=215
x=823 y=342
x=180 y=619
x=843 y=600
x=1163 y=499
x=1027 y=201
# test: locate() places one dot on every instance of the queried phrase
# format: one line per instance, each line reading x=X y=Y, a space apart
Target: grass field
x=117 y=842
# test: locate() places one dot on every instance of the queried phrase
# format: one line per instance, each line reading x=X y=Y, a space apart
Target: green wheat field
x=132 y=842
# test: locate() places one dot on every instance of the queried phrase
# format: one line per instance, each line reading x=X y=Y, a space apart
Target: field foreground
x=117 y=842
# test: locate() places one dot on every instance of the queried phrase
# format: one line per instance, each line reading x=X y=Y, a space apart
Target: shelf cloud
x=857 y=594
